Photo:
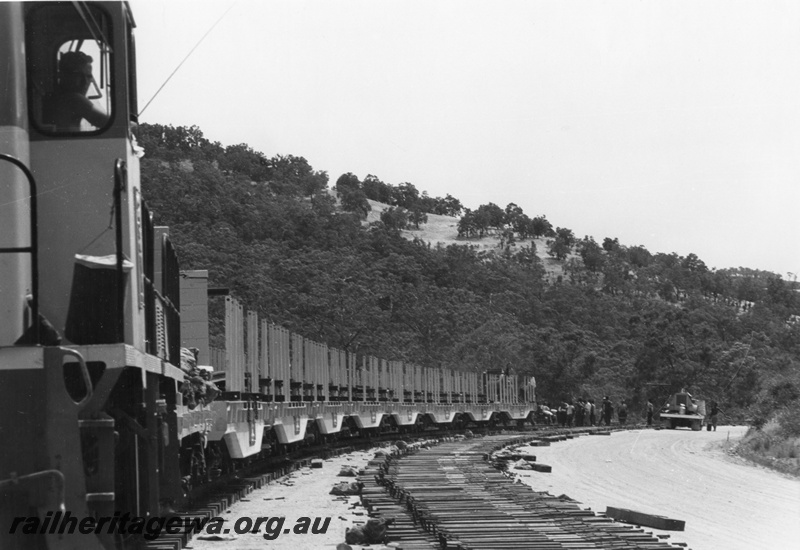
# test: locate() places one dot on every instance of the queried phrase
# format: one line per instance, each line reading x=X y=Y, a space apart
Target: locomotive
x=96 y=311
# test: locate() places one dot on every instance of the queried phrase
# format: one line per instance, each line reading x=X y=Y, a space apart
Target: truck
x=682 y=410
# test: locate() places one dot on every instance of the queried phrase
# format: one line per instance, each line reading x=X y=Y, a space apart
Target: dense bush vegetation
x=624 y=322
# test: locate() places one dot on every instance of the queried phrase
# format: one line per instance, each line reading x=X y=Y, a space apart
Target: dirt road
x=727 y=504
x=304 y=493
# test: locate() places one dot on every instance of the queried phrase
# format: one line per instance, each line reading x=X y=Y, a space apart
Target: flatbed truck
x=682 y=410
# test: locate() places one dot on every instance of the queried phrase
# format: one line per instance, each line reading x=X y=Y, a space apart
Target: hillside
x=622 y=321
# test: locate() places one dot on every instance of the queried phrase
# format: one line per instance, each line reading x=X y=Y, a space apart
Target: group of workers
x=197 y=388
x=584 y=412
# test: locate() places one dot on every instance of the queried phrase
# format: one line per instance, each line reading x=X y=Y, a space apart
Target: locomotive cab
x=79 y=62
x=70 y=57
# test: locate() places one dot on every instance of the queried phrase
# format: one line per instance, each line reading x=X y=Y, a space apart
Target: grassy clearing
x=444 y=230
x=771 y=447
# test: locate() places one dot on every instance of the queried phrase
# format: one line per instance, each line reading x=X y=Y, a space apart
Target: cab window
x=69 y=69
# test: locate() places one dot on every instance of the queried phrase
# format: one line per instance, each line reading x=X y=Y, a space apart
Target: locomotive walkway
x=450 y=496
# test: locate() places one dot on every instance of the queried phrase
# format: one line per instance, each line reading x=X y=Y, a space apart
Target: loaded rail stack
x=450 y=496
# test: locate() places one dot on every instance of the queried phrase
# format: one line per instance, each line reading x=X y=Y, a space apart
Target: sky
x=669 y=124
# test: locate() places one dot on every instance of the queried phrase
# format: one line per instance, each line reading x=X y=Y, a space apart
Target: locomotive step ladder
x=97 y=443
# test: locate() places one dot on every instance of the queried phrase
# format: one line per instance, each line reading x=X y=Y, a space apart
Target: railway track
x=215 y=497
x=449 y=496
x=453 y=497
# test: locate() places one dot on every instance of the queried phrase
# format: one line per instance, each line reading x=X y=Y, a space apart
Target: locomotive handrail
x=56 y=474
x=120 y=181
x=33 y=249
x=87 y=379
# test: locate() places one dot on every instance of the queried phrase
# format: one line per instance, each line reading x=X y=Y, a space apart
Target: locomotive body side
x=86 y=390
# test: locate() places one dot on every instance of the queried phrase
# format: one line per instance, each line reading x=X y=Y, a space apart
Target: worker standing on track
x=588 y=418
x=608 y=411
x=623 y=413
x=712 y=417
x=544 y=414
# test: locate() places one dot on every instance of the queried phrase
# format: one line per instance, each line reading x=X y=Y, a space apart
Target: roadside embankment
x=771 y=447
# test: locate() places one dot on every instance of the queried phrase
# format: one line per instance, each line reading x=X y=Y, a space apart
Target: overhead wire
x=187 y=57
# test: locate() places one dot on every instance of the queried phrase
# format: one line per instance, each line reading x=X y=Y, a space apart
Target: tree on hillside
x=780 y=296
x=448 y=206
x=476 y=223
x=425 y=203
x=693 y=263
x=417 y=217
x=291 y=175
x=491 y=216
x=406 y=195
x=354 y=200
x=609 y=244
x=565 y=359
x=523 y=226
x=347 y=181
x=526 y=256
x=566 y=235
x=512 y=212
x=615 y=275
x=520 y=223
x=499 y=340
x=483 y=221
x=323 y=204
x=314 y=184
x=395 y=217
x=542 y=227
x=591 y=254
x=639 y=256
x=171 y=143
x=749 y=289
x=244 y=160
x=437 y=318
x=716 y=284
x=561 y=245
x=507 y=241
x=558 y=248
x=667 y=261
x=376 y=190
x=466 y=225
